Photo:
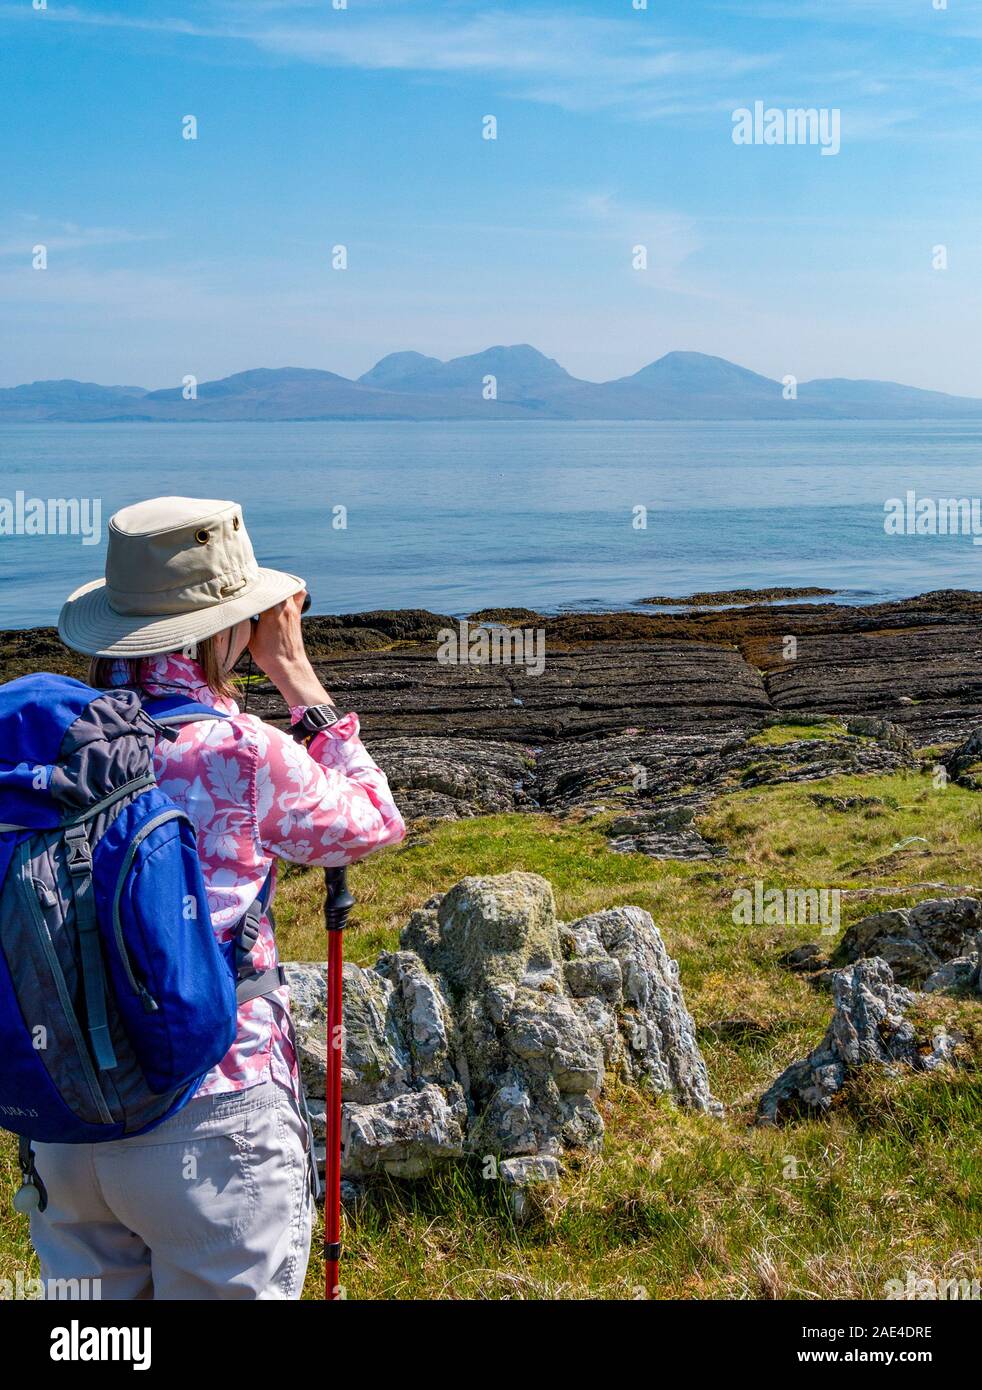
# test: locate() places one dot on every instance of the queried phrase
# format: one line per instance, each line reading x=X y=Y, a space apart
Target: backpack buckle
x=31 y=1195
x=249 y=933
x=247 y=936
x=79 y=851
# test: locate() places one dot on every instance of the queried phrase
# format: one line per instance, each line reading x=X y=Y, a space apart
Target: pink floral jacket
x=253 y=794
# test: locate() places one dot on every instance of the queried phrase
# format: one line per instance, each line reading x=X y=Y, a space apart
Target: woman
x=216 y=1202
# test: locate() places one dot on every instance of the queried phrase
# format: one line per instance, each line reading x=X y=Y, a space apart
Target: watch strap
x=313 y=719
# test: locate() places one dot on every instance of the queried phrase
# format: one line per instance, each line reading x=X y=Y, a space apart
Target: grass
x=790 y=733
x=681 y=1205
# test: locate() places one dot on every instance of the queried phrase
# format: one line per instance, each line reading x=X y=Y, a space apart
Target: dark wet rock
x=38 y=649
x=731 y=597
x=510 y=617
x=915 y=663
x=456 y=778
x=868 y=1027
x=915 y=941
x=377 y=629
x=633 y=710
x=582 y=693
x=917 y=667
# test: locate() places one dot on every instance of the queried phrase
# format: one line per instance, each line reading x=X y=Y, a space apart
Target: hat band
x=219 y=588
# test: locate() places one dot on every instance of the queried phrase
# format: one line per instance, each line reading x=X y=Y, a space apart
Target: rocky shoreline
x=654 y=711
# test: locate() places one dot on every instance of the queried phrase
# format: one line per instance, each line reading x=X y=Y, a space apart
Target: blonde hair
x=207 y=654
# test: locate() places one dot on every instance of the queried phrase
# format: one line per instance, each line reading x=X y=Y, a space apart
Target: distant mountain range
x=529 y=386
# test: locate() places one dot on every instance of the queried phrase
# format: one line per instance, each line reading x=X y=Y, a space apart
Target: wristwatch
x=313 y=719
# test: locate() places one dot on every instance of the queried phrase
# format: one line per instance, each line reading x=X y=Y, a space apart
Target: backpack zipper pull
x=45 y=897
x=150 y=1005
x=161 y=730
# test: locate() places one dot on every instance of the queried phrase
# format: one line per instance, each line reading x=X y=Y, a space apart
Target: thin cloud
x=31 y=230
x=581 y=62
x=567 y=59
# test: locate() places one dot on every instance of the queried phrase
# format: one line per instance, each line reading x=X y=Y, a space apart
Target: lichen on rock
x=868 y=1026
x=493 y=1029
x=915 y=941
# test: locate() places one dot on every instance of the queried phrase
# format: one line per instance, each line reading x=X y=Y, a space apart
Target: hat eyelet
x=235 y=523
x=201 y=536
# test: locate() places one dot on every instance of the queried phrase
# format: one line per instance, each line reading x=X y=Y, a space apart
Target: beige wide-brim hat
x=178 y=569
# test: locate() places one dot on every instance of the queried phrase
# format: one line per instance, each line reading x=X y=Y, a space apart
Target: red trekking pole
x=337 y=904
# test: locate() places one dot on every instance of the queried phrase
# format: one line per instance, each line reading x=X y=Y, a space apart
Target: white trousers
x=213 y=1204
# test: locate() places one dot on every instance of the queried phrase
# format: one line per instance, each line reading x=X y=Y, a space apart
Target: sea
x=551 y=516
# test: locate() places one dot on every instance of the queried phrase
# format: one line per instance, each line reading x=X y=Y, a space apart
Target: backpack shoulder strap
x=170 y=713
x=250 y=983
x=93 y=969
x=173 y=711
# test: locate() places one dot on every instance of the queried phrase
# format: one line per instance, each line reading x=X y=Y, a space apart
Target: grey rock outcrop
x=493 y=1029
x=964 y=765
x=960 y=973
x=883 y=731
x=665 y=833
x=867 y=1026
x=617 y=964
x=915 y=941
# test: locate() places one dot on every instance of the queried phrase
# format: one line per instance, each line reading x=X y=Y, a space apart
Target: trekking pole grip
x=338 y=901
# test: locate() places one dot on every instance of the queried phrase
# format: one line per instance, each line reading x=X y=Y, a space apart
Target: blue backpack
x=116 y=997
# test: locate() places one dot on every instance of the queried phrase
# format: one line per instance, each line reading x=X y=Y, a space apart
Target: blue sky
x=363 y=126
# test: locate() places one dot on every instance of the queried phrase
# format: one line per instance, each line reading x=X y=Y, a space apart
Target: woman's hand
x=277 y=648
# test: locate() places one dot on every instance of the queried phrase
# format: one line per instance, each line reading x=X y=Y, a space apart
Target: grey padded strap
x=97 y=807
x=265 y=982
x=247 y=932
x=90 y=948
